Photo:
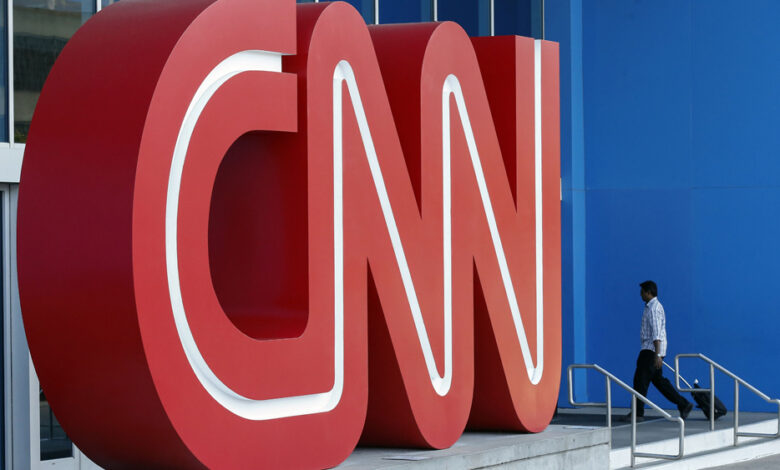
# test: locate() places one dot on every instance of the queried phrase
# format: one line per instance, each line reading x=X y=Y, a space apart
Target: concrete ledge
x=569 y=447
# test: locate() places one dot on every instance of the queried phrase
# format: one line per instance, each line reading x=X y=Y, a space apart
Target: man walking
x=650 y=361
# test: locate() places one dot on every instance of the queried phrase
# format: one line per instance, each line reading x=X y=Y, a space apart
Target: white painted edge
x=442 y=383
x=240 y=405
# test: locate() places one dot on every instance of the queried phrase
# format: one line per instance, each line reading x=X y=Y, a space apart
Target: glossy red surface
x=255 y=234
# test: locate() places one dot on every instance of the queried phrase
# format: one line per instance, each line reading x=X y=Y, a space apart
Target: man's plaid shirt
x=653 y=326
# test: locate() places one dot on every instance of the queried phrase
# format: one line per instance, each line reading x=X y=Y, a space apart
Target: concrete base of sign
x=577 y=439
x=559 y=446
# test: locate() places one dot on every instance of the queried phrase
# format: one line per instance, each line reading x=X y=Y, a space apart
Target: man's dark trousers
x=646 y=372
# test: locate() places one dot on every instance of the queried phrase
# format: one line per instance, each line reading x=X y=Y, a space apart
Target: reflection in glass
x=366 y=9
x=41 y=29
x=521 y=17
x=472 y=15
x=54 y=443
x=405 y=11
x=105 y=3
x=3 y=75
x=483 y=18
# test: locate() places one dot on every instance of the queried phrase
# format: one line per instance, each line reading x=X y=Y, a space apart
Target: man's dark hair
x=650 y=288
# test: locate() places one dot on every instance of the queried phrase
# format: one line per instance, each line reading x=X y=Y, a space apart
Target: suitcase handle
x=681 y=377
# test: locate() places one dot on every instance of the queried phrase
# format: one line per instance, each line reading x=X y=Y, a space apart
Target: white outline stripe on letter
x=277 y=408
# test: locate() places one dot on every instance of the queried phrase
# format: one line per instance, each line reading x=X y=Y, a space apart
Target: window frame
x=12 y=152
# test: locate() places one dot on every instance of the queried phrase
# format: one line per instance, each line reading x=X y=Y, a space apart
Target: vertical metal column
x=492 y=17
x=5 y=265
x=10 y=63
x=435 y=9
x=376 y=11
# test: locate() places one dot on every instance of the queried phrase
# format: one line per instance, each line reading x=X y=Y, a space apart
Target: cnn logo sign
x=255 y=234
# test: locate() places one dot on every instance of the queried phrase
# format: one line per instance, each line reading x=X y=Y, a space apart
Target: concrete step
x=703 y=449
x=732 y=455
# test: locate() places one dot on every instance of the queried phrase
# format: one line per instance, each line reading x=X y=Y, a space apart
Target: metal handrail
x=737 y=382
x=634 y=395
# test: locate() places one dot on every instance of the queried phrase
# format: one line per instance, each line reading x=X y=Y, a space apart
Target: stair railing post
x=609 y=409
x=736 y=411
x=778 y=418
x=712 y=397
x=569 y=373
x=633 y=429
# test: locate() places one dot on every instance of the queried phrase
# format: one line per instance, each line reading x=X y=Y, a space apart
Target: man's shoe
x=627 y=418
x=686 y=411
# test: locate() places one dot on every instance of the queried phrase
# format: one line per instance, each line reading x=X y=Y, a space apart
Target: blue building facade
x=670 y=171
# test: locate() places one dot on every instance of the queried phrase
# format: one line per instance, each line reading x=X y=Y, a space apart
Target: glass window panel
x=3 y=73
x=426 y=10
x=41 y=29
x=54 y=443
x=105 y=3
x=521 y=17
x=472 y=15
x=483 y=17
x=365 y=7
x=537 y=19
x=405 y=11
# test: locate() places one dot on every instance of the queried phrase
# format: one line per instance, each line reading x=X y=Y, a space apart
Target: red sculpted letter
x=287 y=231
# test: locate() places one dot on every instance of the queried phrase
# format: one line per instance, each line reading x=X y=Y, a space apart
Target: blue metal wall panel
x=681 y=152
x=736 y=97
x=735 y=258
x=563 y=23
x=632 y=236
x=637 y=62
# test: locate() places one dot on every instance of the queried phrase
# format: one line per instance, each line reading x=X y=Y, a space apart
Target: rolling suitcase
x=702 y=399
